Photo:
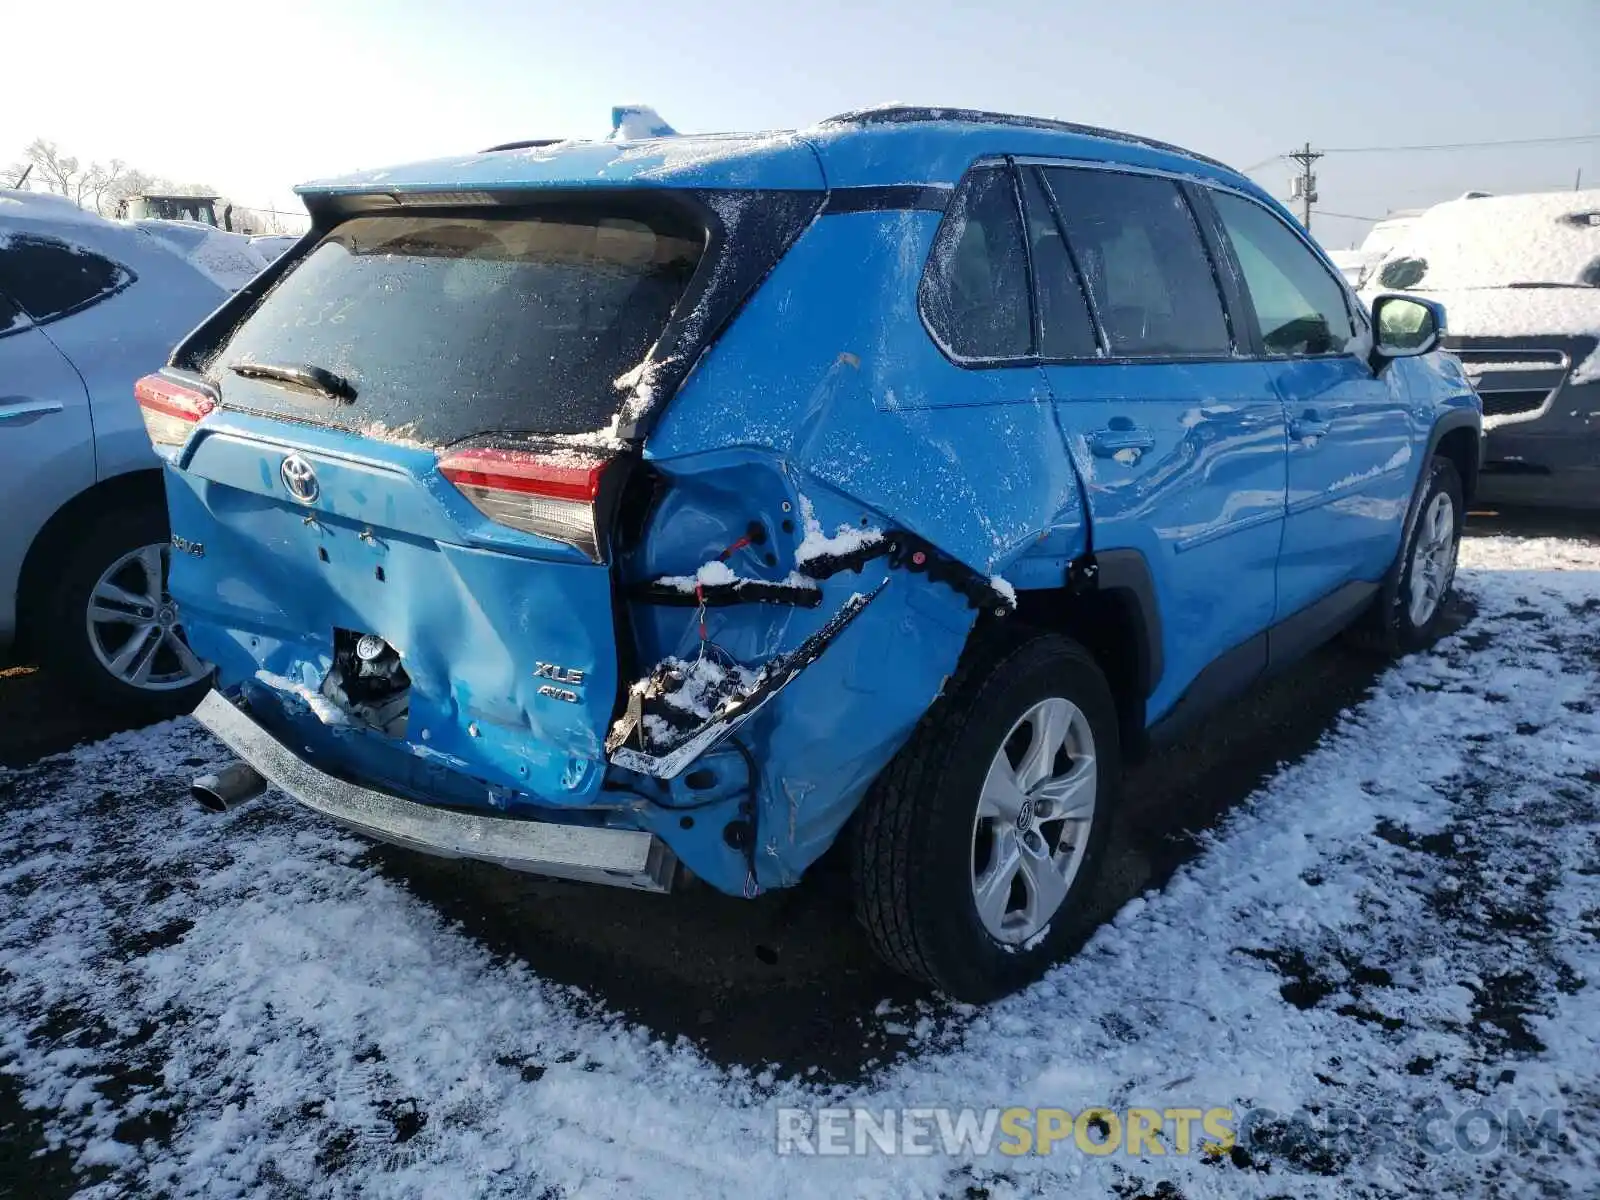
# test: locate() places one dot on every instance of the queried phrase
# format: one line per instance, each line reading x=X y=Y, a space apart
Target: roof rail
x=529 y=144
x=905 y=114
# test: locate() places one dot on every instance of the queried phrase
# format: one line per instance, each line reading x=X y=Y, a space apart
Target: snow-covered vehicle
x=87 y=306
x=1519 y=277
x=1356 y=264
x=270 y=245
x=159 y=206
x=230 y=260
x=597 y=508
x=1352 y=264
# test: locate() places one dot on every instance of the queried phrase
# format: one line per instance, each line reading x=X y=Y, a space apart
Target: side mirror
x=1405 y=326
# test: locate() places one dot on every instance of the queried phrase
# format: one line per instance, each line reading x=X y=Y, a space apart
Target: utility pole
x=1303 y=187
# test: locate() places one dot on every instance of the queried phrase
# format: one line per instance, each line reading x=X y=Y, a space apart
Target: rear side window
x=1299 y=305
x=50 y=278
x=975 y=289
x=1139 y=249
x=443 y=326
x=10 y=316
x=1065 y=329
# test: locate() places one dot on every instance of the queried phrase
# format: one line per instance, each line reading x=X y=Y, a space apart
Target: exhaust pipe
x=235 y=784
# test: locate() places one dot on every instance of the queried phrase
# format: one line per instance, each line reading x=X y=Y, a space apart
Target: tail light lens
x=170 y=409
x=553 y=497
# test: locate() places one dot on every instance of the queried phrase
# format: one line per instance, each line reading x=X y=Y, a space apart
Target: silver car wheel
x=1032 y=825
x=1433 y=559
x=134 y=627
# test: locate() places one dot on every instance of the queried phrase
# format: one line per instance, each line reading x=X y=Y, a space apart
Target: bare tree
x=107 y=188
x=60 y=173
x=131 y=182
x=103 y=184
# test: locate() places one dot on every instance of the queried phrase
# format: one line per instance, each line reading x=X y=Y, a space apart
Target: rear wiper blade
x=316 y=379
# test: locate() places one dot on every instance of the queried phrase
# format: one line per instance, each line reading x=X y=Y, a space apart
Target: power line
x=1545 y=141
x=1322 y=212
x=1565 y=140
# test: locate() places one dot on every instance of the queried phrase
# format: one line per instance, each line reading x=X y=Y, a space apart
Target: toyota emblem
x=299 y=480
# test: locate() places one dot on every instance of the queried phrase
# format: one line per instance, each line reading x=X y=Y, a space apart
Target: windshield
x=438 y=327
x=1547 y=240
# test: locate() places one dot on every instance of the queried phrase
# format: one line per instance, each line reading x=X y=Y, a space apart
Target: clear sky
x=254 y=96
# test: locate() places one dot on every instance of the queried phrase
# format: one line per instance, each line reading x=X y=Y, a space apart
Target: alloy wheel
x=134 y=624
x=1034 y=814
x=1432 y=559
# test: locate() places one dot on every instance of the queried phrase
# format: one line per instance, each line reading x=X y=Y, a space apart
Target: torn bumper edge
x=775 y=676
x=616 y=857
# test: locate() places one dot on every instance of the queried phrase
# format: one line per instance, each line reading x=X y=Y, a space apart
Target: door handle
x=21 y=409
x=1121 y=435
x=1309 y=426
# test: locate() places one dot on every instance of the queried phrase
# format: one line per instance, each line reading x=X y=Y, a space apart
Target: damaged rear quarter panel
x=833 y=395
x=829 y=366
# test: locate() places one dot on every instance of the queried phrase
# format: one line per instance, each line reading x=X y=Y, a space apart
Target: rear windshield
x=438 y=327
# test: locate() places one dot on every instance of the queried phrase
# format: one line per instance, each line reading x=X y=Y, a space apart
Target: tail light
x=550 y=496
x=170 y=409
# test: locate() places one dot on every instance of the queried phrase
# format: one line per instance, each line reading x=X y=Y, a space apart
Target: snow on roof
x=780 y=160
x=227 y=259
x=270 y=245
x=44 y=206
x=1500 y=241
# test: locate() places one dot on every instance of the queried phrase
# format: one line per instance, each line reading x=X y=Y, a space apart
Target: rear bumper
x=617 y=857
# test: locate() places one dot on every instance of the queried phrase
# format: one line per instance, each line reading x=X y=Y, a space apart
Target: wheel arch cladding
x=850 y=414
x=1119 y=625
x=1459 y=442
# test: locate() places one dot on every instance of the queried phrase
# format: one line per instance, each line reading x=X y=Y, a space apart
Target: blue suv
x=615 y=510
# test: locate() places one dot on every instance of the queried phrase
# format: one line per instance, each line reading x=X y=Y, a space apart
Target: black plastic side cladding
x=1127 y=571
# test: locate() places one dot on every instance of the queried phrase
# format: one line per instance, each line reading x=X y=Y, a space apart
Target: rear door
x=46 y=440
x=412 y=443
x=1178 y=438
x=1351 y=431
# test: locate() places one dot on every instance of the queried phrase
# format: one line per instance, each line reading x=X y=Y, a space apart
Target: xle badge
x=558 y=674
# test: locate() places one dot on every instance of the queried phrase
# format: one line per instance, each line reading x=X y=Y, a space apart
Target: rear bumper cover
x=617 y=857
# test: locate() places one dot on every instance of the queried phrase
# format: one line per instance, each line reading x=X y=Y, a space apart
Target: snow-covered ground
x=1406 y=921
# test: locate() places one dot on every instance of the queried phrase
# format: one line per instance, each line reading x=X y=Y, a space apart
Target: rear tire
x=970 y=872
x=108 y=568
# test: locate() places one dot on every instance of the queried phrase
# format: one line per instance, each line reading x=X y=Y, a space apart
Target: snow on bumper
x=619 y=857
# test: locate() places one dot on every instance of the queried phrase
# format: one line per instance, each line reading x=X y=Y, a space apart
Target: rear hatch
x=402 y=494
